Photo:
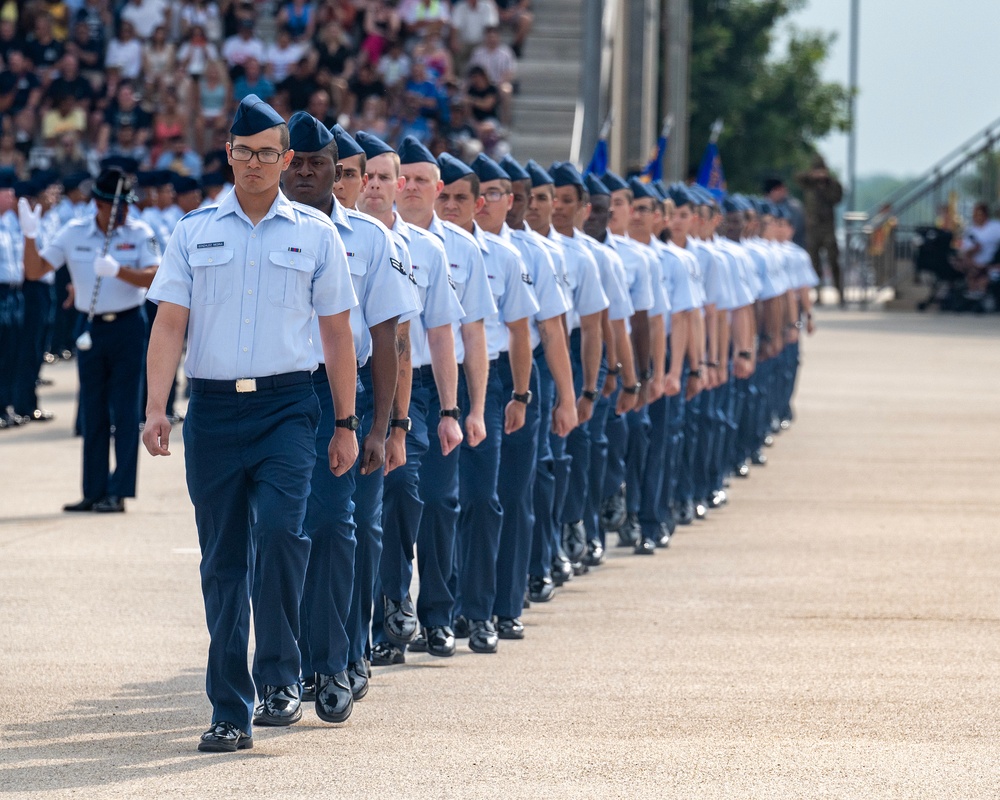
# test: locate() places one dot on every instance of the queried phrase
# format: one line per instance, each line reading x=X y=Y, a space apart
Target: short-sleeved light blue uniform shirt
x=11 y=249
x=79 y=242
x=715 y=279
x=638 y=271
x=677 y=284
x=544 y=280
x=762 y=259
x=438 y=300
x=252 y=290
x=380 y=274
x=658 y=277
x=468 y=276
x=153 y=217
x=612 y=272
x=802 y=272
x=582 y=278
x=734 y=258
x=691 y=263
x=511 y=286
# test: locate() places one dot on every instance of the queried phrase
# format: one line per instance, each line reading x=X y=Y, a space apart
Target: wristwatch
x=632 y=389
x=647 y=374
x=616 y=370
x=522 y=398
x=352 y=423
x=454 y=413
x=710 y=363
x=694 y=373
x=745 y=354
x=405 y=423
x=589 y=394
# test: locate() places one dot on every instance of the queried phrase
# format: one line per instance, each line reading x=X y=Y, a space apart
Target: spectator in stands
x=418 y=15
x=158 y=57
x=204 y=15
x=320 y=106
x=145 y=15
x=298 y=87
x=169 y=122
x=71 y=82
x=43 y=50
x=98 y=18
x=298 y=17
x=65 y=116
x=516 y=15
x=9 y=38
x=344 y=12
x=469 y=21
x=241 y=47
x=125 y=111
x=498 y=60
x=334 y=60
x=281 y=56
x=980 y=250
x=394 y=68
x=372 y=119
x=197 y=52
x=180 y=158
x=126 y=145
x=482 y=96
x=88 y=51
x=10 y=156
x=252 y=81
x=437 y=58
x=125 y=52
x=68 y=155
x=462 y=139
x=424 y=92
x=213 y=93
x=382 y=25
x=365 y=84
x=19 y=86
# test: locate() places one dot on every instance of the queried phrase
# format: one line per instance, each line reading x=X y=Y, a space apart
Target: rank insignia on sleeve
x=526 y=278
x=154 y=245
x=397 y=265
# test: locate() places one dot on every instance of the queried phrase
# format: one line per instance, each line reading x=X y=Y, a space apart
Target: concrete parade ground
x=834 y=632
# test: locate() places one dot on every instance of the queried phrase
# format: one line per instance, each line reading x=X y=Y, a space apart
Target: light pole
x=852 y=134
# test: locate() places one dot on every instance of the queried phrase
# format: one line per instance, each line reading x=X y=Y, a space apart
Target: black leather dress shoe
x=645 y=547
x=540 y=588
x=308 y=688
x=595 y=553
x=385 y=654
x=334 y=698
x=418 y=645
x=358 y=676
x=482 y=636
x=83 y=505
x=758 y=458
x=40 y=415
x=742 y=470
x=701 y=509
x=629 y=533
x=509 y=628
x=461 y=627
x=718 y=499
x=110 y=505
x=400 y=623
x=224 y=737
x=670 y=523
x=685 y=513
x=282 y=705
x=526 y=602
x=613 y=512
x=440 y=641
x=562 y=569
x=574 y=541
x=769 y=441
x=665 y=534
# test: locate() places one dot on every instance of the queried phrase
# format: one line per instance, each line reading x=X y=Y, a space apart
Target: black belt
x=113 y=316
x=250 y=384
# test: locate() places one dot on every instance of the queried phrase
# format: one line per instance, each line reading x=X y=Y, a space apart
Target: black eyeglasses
x=493 y=195
x=263 y=156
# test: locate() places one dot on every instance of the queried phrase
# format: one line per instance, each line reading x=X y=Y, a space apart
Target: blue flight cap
x=538 y=176
x=107 y=184
x=124 y=163
x=452 y=169
x=164 y=177
x=641 y=190
x=679 y=193
x=45 y=178
x=185 y=183
x=7 y=179
x=743 y=203
x=411 y=151
x=764 y=207
x=253 y=116
x=27 y=188
x=730 y=204
x=595 y=185
x=565 y=174
x=74 y=179
x=614 y=182
x=372 y=145
x=210 y=180
x=306 y=134
x=659 y=190
x=779 y=212
x=701 y=195
x=514 y=170
x=346 y=145
x=146 y=179
x=487 y=169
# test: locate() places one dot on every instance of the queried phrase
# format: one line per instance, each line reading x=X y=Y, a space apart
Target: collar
x=281 y=206
x=437 y=227
x=480 y=236
x=339 y=215
x=402 y=228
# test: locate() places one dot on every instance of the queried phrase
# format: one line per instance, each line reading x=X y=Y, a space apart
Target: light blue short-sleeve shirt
x=544 y=280
x=613 y=281
x=511 y=286
x=582 y=279
x=761 y=258
x=253 y=289
x=676 y=281
x=638 y=273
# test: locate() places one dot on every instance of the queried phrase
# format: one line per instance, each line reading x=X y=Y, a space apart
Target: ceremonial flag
x=653 y=170
x=599 y=161
x=710 y=173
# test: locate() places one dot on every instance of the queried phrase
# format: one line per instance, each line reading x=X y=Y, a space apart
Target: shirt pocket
x=459 y=275
x=212 y=273
x=498 y=286
x=289 y=280
x=422 y=280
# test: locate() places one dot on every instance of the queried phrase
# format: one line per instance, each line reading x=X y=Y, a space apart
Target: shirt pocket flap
x=421 y=277
x=297 y=261
x=210 y=258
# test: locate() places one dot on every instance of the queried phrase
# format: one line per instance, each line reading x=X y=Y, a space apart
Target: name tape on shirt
x=203 y=245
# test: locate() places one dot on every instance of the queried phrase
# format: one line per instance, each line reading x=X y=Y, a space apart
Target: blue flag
x=599 y=161
x=653 y=171
x=710 y=174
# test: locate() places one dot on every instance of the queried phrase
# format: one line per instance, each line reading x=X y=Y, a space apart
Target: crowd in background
x=158 y=81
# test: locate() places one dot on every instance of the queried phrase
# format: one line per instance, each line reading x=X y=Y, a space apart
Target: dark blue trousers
x=38 y=301
x=515 y=490
x=65 y=322
x=540 y=563
x=579 y=441
x=110 y=382
x=597 y=467
x=480 y=516
x=616 y=431
x=637 y=451
x=655 y=476
x=249 y=460
x=11 y=328
x=672 y=462
x=401 y=504
x=329 y=525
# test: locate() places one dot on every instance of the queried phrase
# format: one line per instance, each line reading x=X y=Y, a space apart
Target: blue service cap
x=27 y=188
x=146 y=178
x=731 y=204
x=595 y=185
x=537 y=175
x=513 y=169
x=658 y=189
x=74 y=179
x=306 y=134
x=185 y=183
x=701 y=195
x=779 y=211
x=614 y=182
x=679 y=193
x=487 y=169
x=411 y=151
x=163 y=177
x=452 y=169
x=212 y=179
x=346 y=144
x=7 y=179
x=107 y=183
x=641 y=190
x=124 y=163
x=565 y=174
x=253 y=115
x=372 y=145
x=45 y=178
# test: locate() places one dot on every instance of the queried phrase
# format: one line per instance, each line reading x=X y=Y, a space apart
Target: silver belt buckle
x=246 y=385
x=108 y=317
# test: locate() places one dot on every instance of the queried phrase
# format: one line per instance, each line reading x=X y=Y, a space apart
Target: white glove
x=30 y=218
x=106 y=267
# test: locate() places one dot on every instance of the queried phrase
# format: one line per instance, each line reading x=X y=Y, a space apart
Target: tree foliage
x=774 y=106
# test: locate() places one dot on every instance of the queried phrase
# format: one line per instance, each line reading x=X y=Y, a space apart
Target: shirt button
x=253 y=235
x=252 y=263
x=249 y=291
x=209 y=261
x=245 y=349
x=247 y=321
x=291 y=261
